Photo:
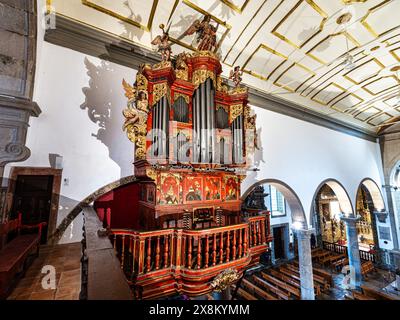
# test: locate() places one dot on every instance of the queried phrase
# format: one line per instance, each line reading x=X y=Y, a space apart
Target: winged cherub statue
x=164 y=47
x=206 y=34
x=236 y=76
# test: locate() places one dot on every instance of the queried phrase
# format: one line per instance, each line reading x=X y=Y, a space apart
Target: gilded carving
x=151 y=173
x=182 y=69
x=236 y=111
x=177 y=95
x=159 y=90
x=200 y=76
x=225 y=107
x=162 y=65
x=136 y=115
x=221 y=87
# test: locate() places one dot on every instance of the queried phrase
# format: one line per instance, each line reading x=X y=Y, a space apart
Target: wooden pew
x=296 y=276
x=245 y=295
x=376 y=294
x=367 y=267
x=16 y=254
x=320 y=272
x=321 y=280
x=290 y=280
x=291 y=290
x=360 y=296
x=257 y=290
x=270 y=287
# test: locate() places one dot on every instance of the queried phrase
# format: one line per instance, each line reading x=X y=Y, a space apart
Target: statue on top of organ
x=193 y=136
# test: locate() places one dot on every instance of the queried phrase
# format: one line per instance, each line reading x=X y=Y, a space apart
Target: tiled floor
x=66 y=261
x=375 y=280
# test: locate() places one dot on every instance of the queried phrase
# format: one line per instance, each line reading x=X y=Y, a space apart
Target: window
x=278 y=208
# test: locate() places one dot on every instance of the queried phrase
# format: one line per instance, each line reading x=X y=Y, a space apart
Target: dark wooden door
x=32 y=197
x=279 y=242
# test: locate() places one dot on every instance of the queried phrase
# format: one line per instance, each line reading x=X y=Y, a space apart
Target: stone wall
x=18 y=28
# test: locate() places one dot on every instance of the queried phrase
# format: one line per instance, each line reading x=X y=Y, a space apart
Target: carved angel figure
x=164 y=47
x=136 y=112
x=236 y=76
x=206 y=34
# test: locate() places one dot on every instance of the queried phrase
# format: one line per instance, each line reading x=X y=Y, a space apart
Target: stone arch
x=296 y=207
x=394 y=175
x=374 y=191
x=56 y=236
x=340 y=192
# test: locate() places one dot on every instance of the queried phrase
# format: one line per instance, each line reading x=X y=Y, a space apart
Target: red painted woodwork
x=120 y=206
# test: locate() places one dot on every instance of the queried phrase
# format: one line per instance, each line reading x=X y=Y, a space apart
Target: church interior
x=199 y=150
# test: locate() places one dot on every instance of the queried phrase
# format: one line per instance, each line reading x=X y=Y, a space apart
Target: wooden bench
x=296 y=276
x=320 y=272
x=295 y=292
x=377 y=295
x=245 y=295
x=360 y=296
x=270 y=287
x=321 y=280
x=257 y=290
x=367 y=267
x=16 y=254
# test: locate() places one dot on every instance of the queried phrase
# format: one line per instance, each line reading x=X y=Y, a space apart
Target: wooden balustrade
x=334 y=247
x=144 y=252
x=259 y=231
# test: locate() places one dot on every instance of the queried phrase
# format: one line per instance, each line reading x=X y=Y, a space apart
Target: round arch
x=375 y=192
x=340 y=192
x=56 y=236
x=296 y=207
x=394 y=178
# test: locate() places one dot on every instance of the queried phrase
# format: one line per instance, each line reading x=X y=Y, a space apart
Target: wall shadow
x=103 y=106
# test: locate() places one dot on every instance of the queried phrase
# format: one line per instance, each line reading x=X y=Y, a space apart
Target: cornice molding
x=85 y=39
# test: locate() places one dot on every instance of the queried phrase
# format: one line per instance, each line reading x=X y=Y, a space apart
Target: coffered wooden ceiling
x=290 y=48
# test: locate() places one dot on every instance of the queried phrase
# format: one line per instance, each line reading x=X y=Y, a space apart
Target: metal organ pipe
x=212 y=127
x=203 y=106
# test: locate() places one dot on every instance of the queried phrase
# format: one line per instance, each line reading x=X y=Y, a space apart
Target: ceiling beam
x=83 y=38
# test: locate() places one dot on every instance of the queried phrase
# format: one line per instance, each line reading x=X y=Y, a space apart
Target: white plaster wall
x=82 y=99
x=303 y=155
x=96 y=152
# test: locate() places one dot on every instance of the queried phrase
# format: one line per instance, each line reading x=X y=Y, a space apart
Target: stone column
x=353 y=249
x=305 y=263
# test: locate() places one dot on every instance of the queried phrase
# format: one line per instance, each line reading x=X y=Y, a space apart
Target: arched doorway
x=280 y=200
x=281 y=195
x=369 y=200
x=395 y=199
x=330 y=201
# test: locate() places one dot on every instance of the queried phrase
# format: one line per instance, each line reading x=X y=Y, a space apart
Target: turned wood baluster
x=199 y=252
x=234 y=245
x=263 y=231
x=158 y=253
x=221 y=248
x=189 y=252
x=240 y=243
x=228 y=250
x=148 y=259
x=245 y=241
x=207 y=249
x=166 y=239
x=254 y=234
x=259 y=232
x=123 y=252
x=214 y=255
x=133 y=253
x=184 y=251
x=115 y=241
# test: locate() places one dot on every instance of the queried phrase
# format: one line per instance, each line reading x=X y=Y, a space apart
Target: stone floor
x=66 y=261
x=377 y=280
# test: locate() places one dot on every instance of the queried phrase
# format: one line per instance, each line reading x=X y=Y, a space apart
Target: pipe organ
x=189 y=132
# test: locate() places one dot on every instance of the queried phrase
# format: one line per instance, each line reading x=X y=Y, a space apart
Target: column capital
x=351 y=219
x=303 y=233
